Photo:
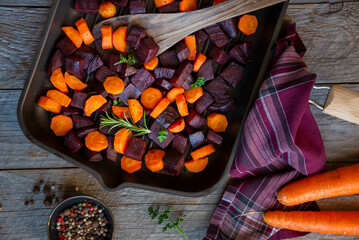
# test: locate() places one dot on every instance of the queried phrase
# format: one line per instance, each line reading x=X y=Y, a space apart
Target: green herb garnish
x=199 y=82
x=177 y=225
x=130 y=60
x=162 y=135
x=118 y=102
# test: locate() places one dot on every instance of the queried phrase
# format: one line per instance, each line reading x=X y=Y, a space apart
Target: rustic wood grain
x=26 y=3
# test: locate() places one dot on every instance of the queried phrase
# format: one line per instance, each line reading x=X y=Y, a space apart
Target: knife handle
x=343 y=103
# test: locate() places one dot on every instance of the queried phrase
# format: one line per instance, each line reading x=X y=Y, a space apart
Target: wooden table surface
x=330 y=30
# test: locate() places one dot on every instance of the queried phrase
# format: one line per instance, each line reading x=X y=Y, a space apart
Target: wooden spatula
x=168 y=29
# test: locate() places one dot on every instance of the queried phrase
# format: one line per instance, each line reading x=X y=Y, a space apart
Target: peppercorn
x=48 y=201
x=46 y=189
x=26 y=203
x=36 y=190
x=31 y=201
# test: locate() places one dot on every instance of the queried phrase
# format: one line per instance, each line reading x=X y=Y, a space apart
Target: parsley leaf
x=130 y=60
x=199 y=82
x=162 y=135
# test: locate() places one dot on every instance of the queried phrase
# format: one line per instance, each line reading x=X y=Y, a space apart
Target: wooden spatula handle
x=343 y=103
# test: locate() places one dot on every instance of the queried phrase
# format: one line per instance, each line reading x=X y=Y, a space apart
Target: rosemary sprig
x=162 y=135
x=125 y=123
x=199 y=82
x=130 y=60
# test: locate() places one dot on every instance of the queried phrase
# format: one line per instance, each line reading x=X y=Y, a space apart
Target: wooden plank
x=26 y=3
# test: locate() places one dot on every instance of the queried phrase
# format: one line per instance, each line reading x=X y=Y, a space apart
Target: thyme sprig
x=199 y=82
x=130 y=60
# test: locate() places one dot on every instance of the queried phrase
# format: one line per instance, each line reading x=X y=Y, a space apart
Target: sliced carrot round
x=151 y=97
x=217 y=122
x=177 y=126
x=121 y=140
x=121 y=112
x=107 y=9
x=136 y=110
x=49 y=105
x=96 y=141
x=74 y=83
x=113 y=85
x=94 y=103
x=119 y=39
x=182 y=105
x=196 y=165
x=61 y=125
x=58 y=80
x=59 y=97
x=153 y=160
x=173 y=93
x=248 y=24
x=130 y=165
x=193 y=94
x=152 y=64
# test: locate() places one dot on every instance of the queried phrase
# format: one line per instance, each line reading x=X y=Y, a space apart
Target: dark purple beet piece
x=95 y=64
x=218 y=55
x=107 y=131
x=155 y=129
x=201 y=37
x=75 y=66
x=214 y=137
x=105 y=108
x=92 y=156
x=104 y=72
x=182 y=51
x=247 y=49
x=169 y=58
x=170 y=8
x=72 y=142
x=236 y=54
x=204 y=102
x=57 y=60
x=102 y=52
x=223 y=105
x=98 y=87
x=196 y=120
x=130 y=92
x=120 y=3
x=233 y=74
x=109 y=153
x=128 y=70
x=218 y=87
x=173 y=162
x=189 y=129
x=147 y=50
x=134 y=37
x=112 y=59
x=163 y=83
x=81 y=133
x=168 y=116
x=137 y=6
x=81 y=122
x=86 y=53
x=181 y=74
x=136 y=148
x=66 y=46
x=86 y=6
x=78 y=99
x=216 y=35
x=142 y=79
x=206 y=70
x=163 y=91
x=180 y=143
x=67 y=111
x=197 y=139
x=230 y=27
x=187 y=84
x=164 y=72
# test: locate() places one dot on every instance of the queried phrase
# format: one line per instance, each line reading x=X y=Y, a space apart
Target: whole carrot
x=346 y=223
x=342 y=181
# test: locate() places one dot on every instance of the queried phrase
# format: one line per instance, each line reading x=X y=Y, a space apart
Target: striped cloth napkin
x=281 y=142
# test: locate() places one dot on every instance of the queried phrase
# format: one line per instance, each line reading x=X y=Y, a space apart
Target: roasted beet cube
x=170 y=8
x=130 y=92
x=72 y=142
x=168 y=116
x=218 y=55
x=56 y=61
x=214 y=137
x=86 y=6
x=163 y=83
x=67 y=111
x=120 y=3
x=218 y=87
x=142 y=79
x=102 y=52
x=230 y=27
x=233 y=74
x=187 y=83
x=137 y=6
x=66 y=46
x=108 y=131
x=236 y=54
x=206 y=70
x=95 y=64
x=147 y=50
x=134 y=37
x=81 y=122
x=169 y=58
x=197 y=139
x=112 y=60
x=174 y=162
x=75 y=66
x=104 y=72
x=201 y=37
x=181 y=74
x=216 y=35
x=182 y=51
x=86 y=53
x=247 y=49
x=180 y=143
x=196 y=120
x=98 y=87
x=109 y=153
x=81 y=133
x=136 y=148
x=223 y=105
x=128 y=70
x=204 y=102
x=189 y=129
x=164 y=72
x=78 y=99
x=105 y=108
x=155 y=129
x=92 y=156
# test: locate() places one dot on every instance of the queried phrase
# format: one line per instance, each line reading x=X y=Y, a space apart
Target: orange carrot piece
x=113 y=85
x=190 y=41
x=59 y=97
x=153 y=160
x=121 y=112
x=152 y=64
x=198 y=62
x=173 y=93
x=182 y=105
x=177 y=126
x=73 y=35
x=130 y=165
x=94 y=103
x=161 y=3
x=248 y=24
x=121 y=141
x=49 y=105
x=339 y=182
x=217 y=122
x=151 y=97
x=330 y=222
x=193 y=94
x=107 y=33
x=136 y=110
x=161 y=106
x=119 y=39
x=74 y=83
x=187 y=5
x=61 y=125
x=57 y=79
x=215 y=2
x=107 y=9
x=84 y=31
x=196 y=165
x=96 y=141
x=203 y=152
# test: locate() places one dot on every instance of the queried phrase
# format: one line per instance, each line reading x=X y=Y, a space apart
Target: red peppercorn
x=61 y=237
x=62 y=227
x=91 y=208
x=65 y=238
x=71 y=214
x=59 y=219
x=82 y=213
